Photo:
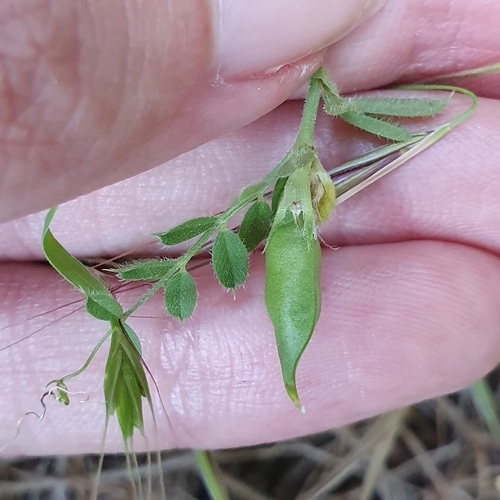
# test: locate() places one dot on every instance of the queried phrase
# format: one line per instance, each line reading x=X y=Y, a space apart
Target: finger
x=93 y=92
x=94 y=150
x=412 y=41
x=448 y=192
x=400 y=323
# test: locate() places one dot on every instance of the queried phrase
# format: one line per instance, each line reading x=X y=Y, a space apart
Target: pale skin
x=410 y=300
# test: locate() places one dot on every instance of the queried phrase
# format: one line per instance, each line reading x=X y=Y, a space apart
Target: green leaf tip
x=291 y=390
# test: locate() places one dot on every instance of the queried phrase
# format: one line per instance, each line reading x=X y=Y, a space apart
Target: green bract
x=125 y=382
x=297 y=200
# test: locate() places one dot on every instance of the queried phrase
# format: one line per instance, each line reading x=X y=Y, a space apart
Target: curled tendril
x=53 y=391
x=41 y=415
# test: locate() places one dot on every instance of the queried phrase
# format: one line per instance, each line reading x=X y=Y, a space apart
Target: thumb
x=256 y=36
x=92 y=92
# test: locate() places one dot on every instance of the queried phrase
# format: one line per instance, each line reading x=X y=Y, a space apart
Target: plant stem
x=211 y=475
x=487 y=406
x=87 y=361
x=305 y=137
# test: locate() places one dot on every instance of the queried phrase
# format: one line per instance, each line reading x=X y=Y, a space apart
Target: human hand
x=409 y=300
x=95 y=92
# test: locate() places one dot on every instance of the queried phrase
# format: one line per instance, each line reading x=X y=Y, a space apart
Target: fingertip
x=260 y=36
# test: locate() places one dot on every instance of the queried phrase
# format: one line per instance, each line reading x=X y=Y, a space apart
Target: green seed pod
x=292 y=294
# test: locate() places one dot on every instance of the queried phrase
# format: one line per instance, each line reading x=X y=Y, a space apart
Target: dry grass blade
x=376 y=443
x=391 y=423
x=426 y=463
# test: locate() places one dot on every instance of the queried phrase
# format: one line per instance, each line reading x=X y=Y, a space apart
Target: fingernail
x=257 y=35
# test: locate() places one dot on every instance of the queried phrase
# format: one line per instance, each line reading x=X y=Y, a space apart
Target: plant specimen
x=282 y=215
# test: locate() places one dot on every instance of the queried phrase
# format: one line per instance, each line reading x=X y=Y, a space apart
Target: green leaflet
x=77 y=274
x=292 y=294
x=103 y=307
x=145 y=269
x=229 y=259
x=187 y=230
x=398 y=107
x=357 y=110
x=402 y=107
x=255 y=225
x=180 y=295
x=375 y=126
